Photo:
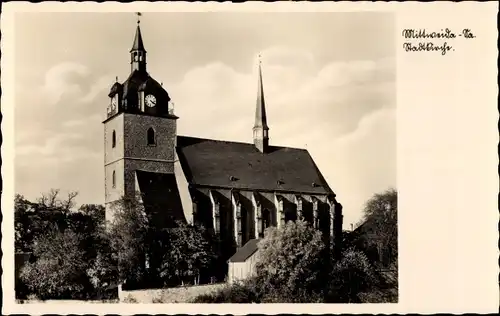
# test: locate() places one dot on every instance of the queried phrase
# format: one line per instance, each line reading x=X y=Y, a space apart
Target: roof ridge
x=239 y=142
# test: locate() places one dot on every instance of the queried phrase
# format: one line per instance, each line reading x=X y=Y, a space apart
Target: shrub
x=242 y=292
x=59 y=271
x=352 y=276
x=290 y=269
x=130 y=299
x=292 y=262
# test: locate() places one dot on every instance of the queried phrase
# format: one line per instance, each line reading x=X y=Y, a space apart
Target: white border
x=447 y=163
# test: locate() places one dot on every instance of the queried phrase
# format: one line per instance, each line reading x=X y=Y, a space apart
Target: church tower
x=139 y=131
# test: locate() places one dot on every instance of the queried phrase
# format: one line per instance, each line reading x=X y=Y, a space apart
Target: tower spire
x=138 y=52
x=260 y=129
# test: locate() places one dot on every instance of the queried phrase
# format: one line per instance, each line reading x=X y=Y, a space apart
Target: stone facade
x=132 y=151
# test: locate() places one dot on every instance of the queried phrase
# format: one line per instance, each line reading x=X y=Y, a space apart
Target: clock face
x=114 y=102
x=150 y=100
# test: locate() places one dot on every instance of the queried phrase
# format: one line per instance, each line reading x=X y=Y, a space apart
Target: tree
x=189 y=252
x=70 y=246
x=292 y=261
x=380 y=227
x=60 y=268
x=33 y=219
x=351 y=276
x=128 y=233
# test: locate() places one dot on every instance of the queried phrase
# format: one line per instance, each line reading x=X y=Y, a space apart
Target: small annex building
x=242 y=264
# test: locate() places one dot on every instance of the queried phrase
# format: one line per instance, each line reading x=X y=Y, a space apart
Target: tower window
x=113 y=140
x=114 y=179
x=151 y=137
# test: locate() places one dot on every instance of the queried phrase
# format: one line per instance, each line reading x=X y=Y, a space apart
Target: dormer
x=115 y=99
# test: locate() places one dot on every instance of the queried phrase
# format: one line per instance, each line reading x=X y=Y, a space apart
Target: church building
x=235 y=189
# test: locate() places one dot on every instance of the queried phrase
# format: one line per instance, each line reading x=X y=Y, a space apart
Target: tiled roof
x=246 y=251
x=159 y=192
x=236 y=165
x=134 y=80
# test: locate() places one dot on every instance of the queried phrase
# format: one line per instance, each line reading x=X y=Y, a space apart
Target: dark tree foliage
x=70 y=253
x=378 y=235
x=129 y=233
x=151 y=251
x=190 y=252
x=59 y=270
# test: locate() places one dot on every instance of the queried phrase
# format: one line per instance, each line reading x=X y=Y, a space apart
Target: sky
x=329 y=83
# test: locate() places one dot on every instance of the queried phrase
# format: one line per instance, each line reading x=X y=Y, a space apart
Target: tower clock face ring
x=114 y=102
x=150 y=100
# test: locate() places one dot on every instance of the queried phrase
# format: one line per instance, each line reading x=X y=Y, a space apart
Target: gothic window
x=266 y=219
x=151 y=137
x=113 y=139
x=114 y=179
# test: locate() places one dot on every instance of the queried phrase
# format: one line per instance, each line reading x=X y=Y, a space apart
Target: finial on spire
x=139 y=14
x=116 y=78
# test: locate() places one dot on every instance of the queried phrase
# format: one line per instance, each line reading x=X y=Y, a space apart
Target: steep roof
x=160 y=193
x=260 y=112
x=242 y=166
x=246 y=251
x=138 y=43
x=134 y=80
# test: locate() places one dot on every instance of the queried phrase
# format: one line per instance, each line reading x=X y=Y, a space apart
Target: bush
x=64 y=269
x=352 y=276
x=292 y=262
x=242 y=292
x=291 y=266
x=130 y=299
x=60 y=269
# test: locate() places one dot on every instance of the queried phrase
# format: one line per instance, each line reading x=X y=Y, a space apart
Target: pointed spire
x=138 y=44
x=260 y=129
x=260 y=113
x=138 y=53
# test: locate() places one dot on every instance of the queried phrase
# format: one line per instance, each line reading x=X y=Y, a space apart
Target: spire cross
x=139 y=14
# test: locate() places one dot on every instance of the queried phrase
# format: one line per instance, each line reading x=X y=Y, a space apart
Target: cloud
x=83 y=122
x=342 y=112
x=63 y=79
x=99 y=88
x=337 y=96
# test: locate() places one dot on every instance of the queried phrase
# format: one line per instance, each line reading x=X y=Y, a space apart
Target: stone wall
x=169 y=295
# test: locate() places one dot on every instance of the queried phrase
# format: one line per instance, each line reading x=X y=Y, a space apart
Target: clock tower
x=140 y=129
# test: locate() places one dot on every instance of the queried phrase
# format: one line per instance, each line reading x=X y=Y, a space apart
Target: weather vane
x=139 y=14
x=260 y=59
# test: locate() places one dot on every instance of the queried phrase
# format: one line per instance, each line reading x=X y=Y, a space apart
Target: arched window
x=114 y=179
x=151 y=137
x=266 y=219
x=113 y=139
